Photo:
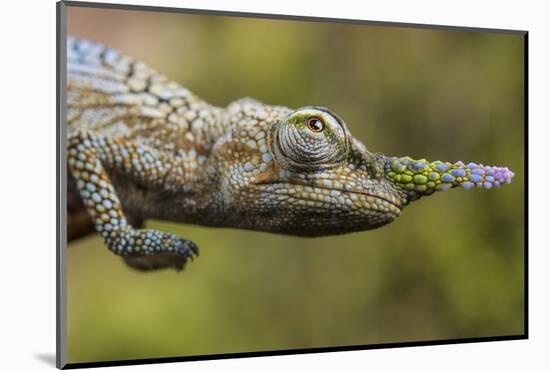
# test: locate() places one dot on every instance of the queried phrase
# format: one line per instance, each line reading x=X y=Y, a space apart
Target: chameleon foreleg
x=78 y=222
x=142 y=248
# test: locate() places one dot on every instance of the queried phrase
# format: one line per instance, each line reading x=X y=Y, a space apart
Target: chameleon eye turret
x=141 y=146
x=311 y=137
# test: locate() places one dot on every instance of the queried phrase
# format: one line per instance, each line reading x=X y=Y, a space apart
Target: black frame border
x=61 y=35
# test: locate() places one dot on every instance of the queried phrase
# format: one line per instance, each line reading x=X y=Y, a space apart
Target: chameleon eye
x=299 y=144
x=315 y=124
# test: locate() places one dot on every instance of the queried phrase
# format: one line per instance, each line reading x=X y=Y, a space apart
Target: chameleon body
x=141 y=146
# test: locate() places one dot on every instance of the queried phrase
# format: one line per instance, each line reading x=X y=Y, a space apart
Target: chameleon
x=140 y=146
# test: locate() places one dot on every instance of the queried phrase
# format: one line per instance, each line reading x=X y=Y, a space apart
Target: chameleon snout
x=420 y=177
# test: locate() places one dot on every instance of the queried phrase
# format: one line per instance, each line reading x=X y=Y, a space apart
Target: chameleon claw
x=187 y=249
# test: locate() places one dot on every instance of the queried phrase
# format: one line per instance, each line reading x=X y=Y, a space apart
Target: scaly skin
x=140 y=146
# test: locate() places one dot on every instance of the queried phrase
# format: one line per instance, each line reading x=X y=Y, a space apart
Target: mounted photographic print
x=240 y=184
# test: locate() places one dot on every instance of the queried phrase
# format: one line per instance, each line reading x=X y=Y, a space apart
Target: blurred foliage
x=450 y=267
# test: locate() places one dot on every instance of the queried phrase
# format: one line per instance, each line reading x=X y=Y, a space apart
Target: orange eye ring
x=315 y=124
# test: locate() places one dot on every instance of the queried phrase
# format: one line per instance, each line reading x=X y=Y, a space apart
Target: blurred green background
x=450 y=267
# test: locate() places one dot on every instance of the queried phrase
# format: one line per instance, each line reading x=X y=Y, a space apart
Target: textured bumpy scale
x=141 y=146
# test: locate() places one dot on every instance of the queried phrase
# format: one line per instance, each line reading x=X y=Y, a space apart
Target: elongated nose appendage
x=420 y=177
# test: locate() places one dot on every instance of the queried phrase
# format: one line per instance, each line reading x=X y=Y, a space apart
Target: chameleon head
x=308 y=176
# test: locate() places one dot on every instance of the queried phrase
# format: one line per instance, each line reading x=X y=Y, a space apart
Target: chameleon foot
x=151 y=250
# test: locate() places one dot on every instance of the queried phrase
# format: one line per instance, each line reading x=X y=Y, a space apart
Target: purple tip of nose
x=501 y=174
x=489 y=176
